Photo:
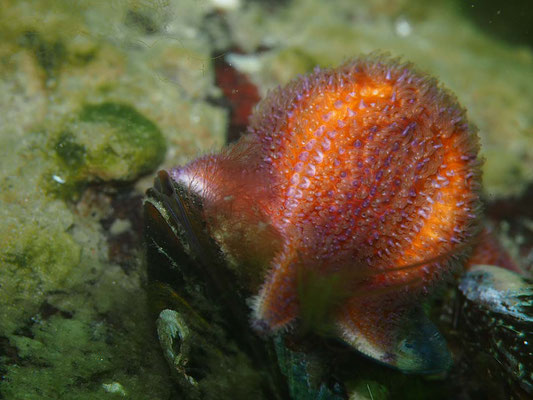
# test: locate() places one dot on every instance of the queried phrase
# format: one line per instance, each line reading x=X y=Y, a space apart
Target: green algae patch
x=121 y=144
x=50 y=55
x=107 y=142
x=82 y=106
x=69 y=151
x=34 y=259
x=77 y=358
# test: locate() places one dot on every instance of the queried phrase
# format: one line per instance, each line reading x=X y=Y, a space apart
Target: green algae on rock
x=83 y=104
x=107 y=142
x=49 y=54
x=76 y=354
x=35 y=258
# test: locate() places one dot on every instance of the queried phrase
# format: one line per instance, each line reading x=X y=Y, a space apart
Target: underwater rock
x=73 y=322
x=86 y=101
x=35 y=258
x=106 y=142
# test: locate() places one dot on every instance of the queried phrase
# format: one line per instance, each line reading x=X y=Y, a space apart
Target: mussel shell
x=496 y=323
x=174 y=224
x=189 y=279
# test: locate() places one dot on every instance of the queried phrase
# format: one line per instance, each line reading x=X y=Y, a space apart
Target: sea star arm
x=399 y=335
x=277 y=304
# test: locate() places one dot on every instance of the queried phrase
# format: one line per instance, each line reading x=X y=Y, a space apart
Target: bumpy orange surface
x=368 y=173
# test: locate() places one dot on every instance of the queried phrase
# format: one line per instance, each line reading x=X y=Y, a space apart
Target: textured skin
x=367 y=172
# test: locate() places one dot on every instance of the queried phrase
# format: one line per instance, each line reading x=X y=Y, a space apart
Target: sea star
x=353 y=193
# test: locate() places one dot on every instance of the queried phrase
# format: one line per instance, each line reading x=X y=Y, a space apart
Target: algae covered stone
x=82 y=107
x=79 y=356
x=110 y=142
x=34 y=258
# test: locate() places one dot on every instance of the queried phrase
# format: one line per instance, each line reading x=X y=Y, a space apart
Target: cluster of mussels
x=354 y=194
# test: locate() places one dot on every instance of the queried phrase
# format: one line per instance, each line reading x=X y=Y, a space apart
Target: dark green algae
x=50 y=54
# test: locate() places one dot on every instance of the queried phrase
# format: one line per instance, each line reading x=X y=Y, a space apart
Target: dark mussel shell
x=202 y=322
x=495 y=321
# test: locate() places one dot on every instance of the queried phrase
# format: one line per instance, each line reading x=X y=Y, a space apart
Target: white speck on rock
x=114 y=387
x=402 y=27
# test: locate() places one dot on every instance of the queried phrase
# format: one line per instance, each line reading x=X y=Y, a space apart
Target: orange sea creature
x=354 y=191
